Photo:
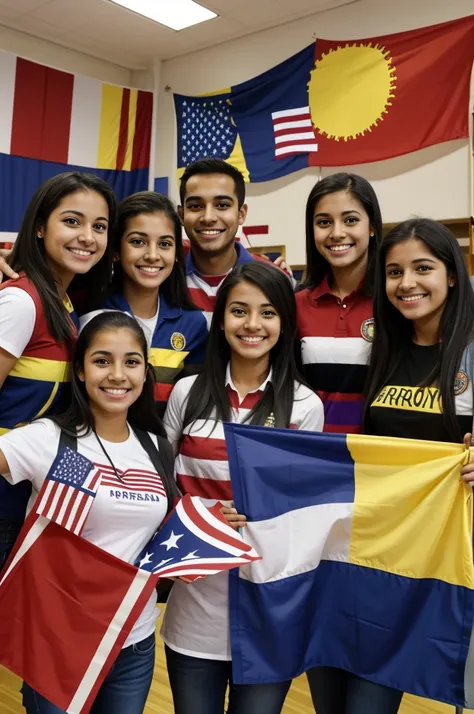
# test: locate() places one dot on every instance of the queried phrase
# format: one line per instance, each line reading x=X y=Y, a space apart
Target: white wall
x=433 y=182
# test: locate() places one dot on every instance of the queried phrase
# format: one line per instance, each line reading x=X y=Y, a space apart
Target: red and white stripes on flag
x=293 y=132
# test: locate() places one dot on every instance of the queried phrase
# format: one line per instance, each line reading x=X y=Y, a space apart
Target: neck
x=143 y=302
x=61 y=280
x=111 y=427
x=215 y=264
x=247 y=375
x=426 y=332
x=346 y=280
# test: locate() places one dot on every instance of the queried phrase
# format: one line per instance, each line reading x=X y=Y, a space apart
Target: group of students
x=113 y=341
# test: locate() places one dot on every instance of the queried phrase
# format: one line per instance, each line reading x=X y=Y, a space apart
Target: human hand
x=234 y=519
x=467 y=471
x=281 y=263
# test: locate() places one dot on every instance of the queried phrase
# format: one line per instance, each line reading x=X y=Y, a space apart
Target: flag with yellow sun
x=338 y=103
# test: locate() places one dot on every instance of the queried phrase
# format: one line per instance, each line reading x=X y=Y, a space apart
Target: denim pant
x=124 y=691
x=199 y=687
x=335 y=691
x=9 y=531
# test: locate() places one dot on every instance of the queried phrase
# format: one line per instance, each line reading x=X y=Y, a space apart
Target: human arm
x=174 y=414
x=17 y=321
x=26 y=453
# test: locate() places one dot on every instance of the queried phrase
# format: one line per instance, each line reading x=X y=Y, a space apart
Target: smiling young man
x=213 y=207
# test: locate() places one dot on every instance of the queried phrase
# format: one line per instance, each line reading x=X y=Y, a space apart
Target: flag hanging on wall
x=53 y=121
x=338 y=103
x=366 y=560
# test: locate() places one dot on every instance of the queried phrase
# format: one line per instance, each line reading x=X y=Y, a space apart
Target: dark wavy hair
x=213 y=166
x=209 y=393
x=141 y=415
x=394 y=333
x=317 y=267
x=174 y=287
x=29 y=255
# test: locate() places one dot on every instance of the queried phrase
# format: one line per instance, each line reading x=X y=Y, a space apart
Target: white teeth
x=412 y=298
x=115 y=391
x=148 y=269
x=340 y=248
x=210 y=233
x=251 y=339
x=78 y=251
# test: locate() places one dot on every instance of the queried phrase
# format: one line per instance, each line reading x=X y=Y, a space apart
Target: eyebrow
x=214 y=198
x=418 y=260
x=78 y=213
x=143 y=234
x=245 y=304
x=109 y=354
x=344 y=213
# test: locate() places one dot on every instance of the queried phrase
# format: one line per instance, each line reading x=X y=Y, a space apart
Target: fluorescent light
x=176 y=14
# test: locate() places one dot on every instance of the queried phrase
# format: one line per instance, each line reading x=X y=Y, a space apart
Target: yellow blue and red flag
x=366 y=546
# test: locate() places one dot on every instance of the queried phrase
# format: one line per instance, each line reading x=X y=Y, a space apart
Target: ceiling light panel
x=176 y=14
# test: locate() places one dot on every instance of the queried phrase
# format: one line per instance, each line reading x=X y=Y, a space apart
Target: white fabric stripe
x=6 y=237
x=213 y=521
x=7 y=82
x=290 y=112
x=203 y=468
x=335 y=350
x=108 y=641
x=232 y=550
x=292 y=124
x=208 y=316
x=80 y=504
x=294 y=136
x=84 y=514
x=45 y=498
x=64 y=506
x=297 y=541
x=85 y=121
x=295 y=149
x=58 y=489
x=33 y=534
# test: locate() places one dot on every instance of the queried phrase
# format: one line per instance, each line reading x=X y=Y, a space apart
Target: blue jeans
x=199 y=687
x=9 y=531
x=124 y=691
x=335 y=691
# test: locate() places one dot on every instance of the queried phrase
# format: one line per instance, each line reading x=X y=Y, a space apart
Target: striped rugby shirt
x=196 y=620
x=336 y=337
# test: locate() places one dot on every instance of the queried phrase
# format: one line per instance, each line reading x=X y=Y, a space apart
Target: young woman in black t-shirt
x=419 y=386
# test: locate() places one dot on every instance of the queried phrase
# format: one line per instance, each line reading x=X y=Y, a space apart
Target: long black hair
x=209 y=392
x=317 y=267
x=29 y=254
x=141 y=414
x=174 y=288
x=394 y=333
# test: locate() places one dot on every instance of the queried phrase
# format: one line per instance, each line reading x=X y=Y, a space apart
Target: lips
x=149 y=269
x=252 y=340
x=80 y=252
x=340 y=247
x=410 y=299
x=210 y=232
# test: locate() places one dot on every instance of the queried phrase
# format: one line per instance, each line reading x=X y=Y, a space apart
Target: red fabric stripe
x=341 y=429
x=78 y=515
x=295 y=141
x=213 y=280
x=41 y=112
x=340 y=397
x=123 y=131
x=205 y=487
x=194 y=515
x=201 y=447
x=255 y=230
x=201 y=300
x=142 y=137
x=162 y=391
x=292 y=117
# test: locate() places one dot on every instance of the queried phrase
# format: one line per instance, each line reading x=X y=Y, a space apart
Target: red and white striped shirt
x=196 y=619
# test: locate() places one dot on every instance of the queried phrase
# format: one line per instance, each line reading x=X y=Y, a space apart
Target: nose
x=209 y=215
x=253 y=322
x=338 y=230
x=408 y=281
x=152 y=253
x=86 y=236
x=116 y=373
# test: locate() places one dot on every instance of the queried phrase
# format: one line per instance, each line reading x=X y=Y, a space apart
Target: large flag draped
x=338 y=103
x=366 y=560
x=67 y=606
x=53 y=121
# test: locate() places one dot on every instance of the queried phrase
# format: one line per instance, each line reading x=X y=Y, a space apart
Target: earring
x=39 y=235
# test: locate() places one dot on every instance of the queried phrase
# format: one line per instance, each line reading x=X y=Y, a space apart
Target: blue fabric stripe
x=412 y=635
x=20 y=177
x=288 y=460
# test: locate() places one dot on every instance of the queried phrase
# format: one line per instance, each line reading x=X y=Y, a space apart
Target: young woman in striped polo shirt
x=249 y=375
x=334 y=307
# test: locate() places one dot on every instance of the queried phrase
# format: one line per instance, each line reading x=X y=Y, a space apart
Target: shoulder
x=183 y=386
x=302 y=392
x=16 y=297
x=193 y=322
x=302 y=297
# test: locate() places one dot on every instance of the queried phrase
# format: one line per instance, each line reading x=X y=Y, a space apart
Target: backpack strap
x=66 y=440
x=162 y=459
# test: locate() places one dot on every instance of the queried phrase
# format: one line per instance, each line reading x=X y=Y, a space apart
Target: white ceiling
x=105 y=30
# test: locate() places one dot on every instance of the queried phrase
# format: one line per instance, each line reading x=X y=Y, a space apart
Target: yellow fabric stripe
x=51 y=398
x=425 y=399
x=68 y=304
x=3 y=430
x=407 y=490
x=109 y=126
x=132 y=120
x=237 y=159
x=216 y=93
x=43 y=370
x=159 y=357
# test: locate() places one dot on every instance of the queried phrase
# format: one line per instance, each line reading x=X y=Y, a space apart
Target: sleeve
x=84 y=319
x=313 y=417
x=198 y=345
x=17 y=320
x=30 y=451
x=174 y=414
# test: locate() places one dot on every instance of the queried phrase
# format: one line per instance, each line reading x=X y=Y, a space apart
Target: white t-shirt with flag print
x=196 y=621
x=125 y=513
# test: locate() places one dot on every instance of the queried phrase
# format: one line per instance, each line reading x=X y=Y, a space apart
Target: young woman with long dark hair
x=419 y=386
x=113 y=420
x=63 y=239
x=335 y=314
x=249 y=375
x=150 y=283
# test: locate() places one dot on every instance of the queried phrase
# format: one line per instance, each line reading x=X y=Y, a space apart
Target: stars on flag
x=172 y=541
x=205 y=128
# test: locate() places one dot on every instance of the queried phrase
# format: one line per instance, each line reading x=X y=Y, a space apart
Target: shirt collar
x=243 y=256
x=325 y=289
x=118 y=301
x=261 y=388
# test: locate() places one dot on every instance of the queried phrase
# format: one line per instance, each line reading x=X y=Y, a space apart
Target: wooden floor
x=160 y=702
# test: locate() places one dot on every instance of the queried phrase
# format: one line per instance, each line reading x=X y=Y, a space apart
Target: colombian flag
x=366 y=547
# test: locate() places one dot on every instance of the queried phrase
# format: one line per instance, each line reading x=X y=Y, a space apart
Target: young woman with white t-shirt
x=63 y=239
x=111 y=415
x=249 y=375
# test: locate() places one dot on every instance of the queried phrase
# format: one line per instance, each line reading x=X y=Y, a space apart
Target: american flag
x=206 y=129
x=136 y=480
x=293 y=132
x=69 y=490
x=195 y=542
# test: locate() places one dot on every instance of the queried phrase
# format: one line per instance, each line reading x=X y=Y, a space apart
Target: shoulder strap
x=66 y=440
x=163 y=461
